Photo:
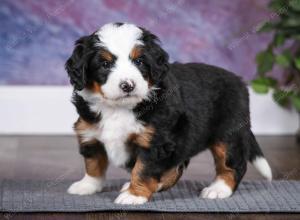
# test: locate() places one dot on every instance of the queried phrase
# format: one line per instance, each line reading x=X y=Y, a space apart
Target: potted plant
x=283 y=53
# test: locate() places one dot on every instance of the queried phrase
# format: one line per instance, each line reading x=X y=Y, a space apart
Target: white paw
x=217 y=190
x=87 y=186
x=125 y=186
x=126 y=198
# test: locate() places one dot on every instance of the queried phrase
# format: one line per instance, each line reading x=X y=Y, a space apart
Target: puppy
x=139 y=112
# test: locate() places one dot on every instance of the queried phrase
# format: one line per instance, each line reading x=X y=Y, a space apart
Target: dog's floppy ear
x=76 y=65
x=159 y=59
x=160 y=67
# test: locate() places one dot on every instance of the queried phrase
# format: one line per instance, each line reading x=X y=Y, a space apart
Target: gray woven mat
x=51 y=196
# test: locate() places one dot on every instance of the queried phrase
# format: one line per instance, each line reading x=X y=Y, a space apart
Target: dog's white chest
x=114 y=128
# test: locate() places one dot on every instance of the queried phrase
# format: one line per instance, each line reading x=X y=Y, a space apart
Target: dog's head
x=121 y=62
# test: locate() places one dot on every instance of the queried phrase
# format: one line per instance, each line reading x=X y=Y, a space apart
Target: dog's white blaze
x=120 y=40
x=216 y=190
x=116 y=124
x=263 y=167
x=87 y=185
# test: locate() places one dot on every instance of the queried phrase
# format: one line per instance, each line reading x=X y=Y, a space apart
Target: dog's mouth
x=124 y=101
x=127 y=96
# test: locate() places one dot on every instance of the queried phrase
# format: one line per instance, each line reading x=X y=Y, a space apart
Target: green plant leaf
x=277 y=5
x=262 y=84
x=281 y=97
x=284 y=59
x=270 y=81
x=296 y=102
x=295 y=4
x=295 y=36
x=297 y=63
x=290 y=22
x=279 y=39
x=265 y=61
x=265 y=27
x=259 y=88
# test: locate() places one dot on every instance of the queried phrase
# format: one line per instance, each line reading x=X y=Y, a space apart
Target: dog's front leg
x=140 y=189
x=95 y=159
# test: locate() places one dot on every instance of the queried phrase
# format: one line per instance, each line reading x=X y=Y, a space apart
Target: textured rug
x=51 y=196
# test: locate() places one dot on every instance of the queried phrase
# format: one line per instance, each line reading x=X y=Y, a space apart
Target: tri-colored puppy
x=138 y=111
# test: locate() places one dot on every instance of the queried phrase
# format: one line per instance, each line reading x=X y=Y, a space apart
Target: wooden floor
x=56 y=157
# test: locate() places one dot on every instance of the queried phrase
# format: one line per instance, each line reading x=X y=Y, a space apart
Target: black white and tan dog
x=138 y=111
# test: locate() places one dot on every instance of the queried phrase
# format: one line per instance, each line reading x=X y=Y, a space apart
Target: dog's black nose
x=127 y=86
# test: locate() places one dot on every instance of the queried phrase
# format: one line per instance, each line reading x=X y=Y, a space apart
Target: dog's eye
x=138 y=61
x=106 y=64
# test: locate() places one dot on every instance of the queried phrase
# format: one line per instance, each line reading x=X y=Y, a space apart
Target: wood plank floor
x=56 y=158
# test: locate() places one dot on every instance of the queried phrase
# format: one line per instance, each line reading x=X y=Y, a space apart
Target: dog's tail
x=257 y=158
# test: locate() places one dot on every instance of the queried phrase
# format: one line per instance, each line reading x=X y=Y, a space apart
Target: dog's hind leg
x=231 y=165
x=170 y=177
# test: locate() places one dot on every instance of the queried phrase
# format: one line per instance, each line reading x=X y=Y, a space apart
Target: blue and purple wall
x=36 y=37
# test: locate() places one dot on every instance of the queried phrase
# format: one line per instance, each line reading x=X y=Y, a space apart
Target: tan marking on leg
x=97 y=165
x=170 y=178
x=143 y=139
x=139 y=185
x=80 y=127
x=223 y=172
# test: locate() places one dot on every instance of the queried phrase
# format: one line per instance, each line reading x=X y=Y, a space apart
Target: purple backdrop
x=37 y=36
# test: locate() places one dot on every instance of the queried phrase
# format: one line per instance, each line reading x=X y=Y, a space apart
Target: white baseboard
x=48 y=110
x=36 y=110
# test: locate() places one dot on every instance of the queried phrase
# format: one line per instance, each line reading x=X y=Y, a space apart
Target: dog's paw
x=126 y=198
x=217 y=190
x=87 y=186
x=125 y=186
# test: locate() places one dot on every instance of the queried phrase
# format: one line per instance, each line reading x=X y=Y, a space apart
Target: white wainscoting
x=48 y=110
